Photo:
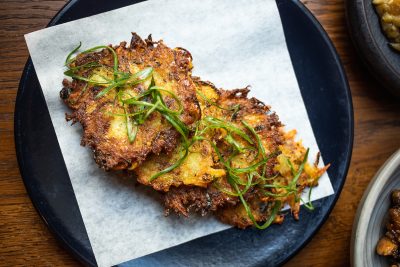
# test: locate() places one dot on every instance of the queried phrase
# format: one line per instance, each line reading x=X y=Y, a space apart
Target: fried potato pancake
x=103 y=118
x=198 y=169
x=205 y=149
x=286 y=156
x=202 y=167
x=184 y=199
x=260 y=204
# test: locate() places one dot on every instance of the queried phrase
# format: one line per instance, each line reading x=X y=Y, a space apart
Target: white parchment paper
x=234 y=44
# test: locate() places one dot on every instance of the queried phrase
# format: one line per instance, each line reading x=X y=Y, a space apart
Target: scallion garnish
x=68 y=59
x=170 y=168
x=234 y=108
x=300 y=170
x=131 y=128
x=140 y=107
x=271 y=218
x=308 y=204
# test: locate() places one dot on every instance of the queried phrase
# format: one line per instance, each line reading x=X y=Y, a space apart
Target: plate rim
x=25 y=174
x=372 y=53
x=336 y=195
x=20 y=159
x=370 y=196
x=349 y=149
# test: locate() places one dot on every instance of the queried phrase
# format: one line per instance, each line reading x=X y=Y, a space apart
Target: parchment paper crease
x=234 y=44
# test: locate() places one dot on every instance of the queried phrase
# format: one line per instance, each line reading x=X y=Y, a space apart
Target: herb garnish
x=241 y=139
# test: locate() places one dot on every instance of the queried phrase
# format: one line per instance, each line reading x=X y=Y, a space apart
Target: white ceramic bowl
x=371 y=216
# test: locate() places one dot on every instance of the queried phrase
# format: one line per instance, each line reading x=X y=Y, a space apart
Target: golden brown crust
x=203 y=181
x=198 y=169
x=105 y=133
x=236 y=214
x=202 y=167
x=185 y=199
x=277 y=143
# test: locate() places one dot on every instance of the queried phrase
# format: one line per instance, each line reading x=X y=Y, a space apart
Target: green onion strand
x=138 y=107
x=132 y=129
x=68 y=59
x=271 y=218
x=308 y=204
x=172 y=167
x=297 y=176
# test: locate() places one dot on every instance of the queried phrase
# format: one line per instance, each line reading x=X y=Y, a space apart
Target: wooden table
x=24 y=238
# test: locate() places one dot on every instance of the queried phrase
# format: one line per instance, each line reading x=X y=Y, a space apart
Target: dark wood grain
x=24 y=238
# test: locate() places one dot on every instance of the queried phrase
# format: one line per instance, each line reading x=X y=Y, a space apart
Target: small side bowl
x=372 y=45
x=371 y=216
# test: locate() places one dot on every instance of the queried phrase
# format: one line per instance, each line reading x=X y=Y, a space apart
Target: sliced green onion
x=115 y=57
x=233 y=142
x=209 y=101
x=85 y=79
x=300 y=170
x=130 y=127
x=178 y=125
x=68 y=59
x=254 y=166
x=84 y=66
x=141 y=107
x=271 y=218
x=291 y=166
x=170 y=168
x=218 y=123
x=261 y=177
x=106 y=90
x=123 y=114
x=259 y=143
x=153 y=108
x=223 y=190
x=160 y=89
x=308 y=204
x=142 y=75
x=138 y=77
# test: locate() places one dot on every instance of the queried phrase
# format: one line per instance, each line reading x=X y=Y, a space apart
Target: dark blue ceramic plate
x=327 y=97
